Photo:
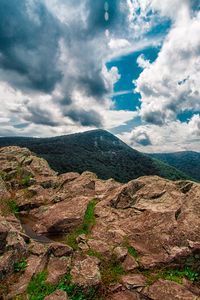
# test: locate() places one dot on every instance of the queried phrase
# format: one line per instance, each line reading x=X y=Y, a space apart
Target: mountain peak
x=98 y=151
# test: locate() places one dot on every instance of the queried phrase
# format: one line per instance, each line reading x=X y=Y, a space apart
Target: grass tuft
x=89 y=221
x=38 y=288
x=20 y=266
x=172 y=275
x=111 y=271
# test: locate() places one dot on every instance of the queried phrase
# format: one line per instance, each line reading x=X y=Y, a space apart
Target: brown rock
x=86 y=272
x=129 y=264
x=120 y=253
x=57 y=268
x=165 y=290
x=126 y=295
x=57 y=295
x=15 y=242
x=35 y=264
x=38 y=248
x=61 y=217
x=4 y=194
x=7 y=261
x=125 y=196
x=3 y=235
x=60 y=250
x=100 y=247
x=133 y=281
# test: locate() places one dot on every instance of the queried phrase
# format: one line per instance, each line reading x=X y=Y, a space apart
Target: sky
x=128 y=66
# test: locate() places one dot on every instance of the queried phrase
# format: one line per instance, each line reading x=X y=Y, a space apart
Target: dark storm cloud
x=29 y=37
x=33 y=42
x=85 y=118
x=38 y=115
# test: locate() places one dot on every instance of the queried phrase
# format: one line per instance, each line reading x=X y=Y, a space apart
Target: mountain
x=97 y=151
x=185 y=161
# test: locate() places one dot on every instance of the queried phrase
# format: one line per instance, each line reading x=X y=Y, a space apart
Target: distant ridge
x=185 y=161
x=97 y=151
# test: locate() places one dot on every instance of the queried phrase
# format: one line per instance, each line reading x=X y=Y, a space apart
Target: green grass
x=110 y=268
x=173 y=275
x=25 y=181
x=38 y=289
x=9 y=206
x=20 y=266
x=94 y=253
x=85 y=228
x=131 y=250
x=111 y=271
x=75 y=292
x=3 y=175
x=12 y=206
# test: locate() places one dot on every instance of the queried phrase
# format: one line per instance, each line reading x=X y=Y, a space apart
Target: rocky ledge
x=73 y=236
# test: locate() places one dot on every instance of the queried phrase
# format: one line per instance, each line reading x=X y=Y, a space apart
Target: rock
x=38 y=248
x=191 y=287
x=120 y=253
x=3 y=235
x=61 y=217
x=35 y=264
x=165 y=290
x=7 y=261
x=151 y=214
x=59 y=249
x=14 y=222
x=4 y=194
x=133 y=281
x=67 y=177
x=83 y=246
x=100 y=247
x=86 y=272
x=155 y=224
x=125 y=295
x=57 y=295
x=14 y=241
x=125 y=196
x=57 y=268
x=129 y=264
x=82 y=238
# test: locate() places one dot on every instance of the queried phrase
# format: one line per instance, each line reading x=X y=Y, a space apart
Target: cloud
x=29 y=45
x=139 y=136
x=85 y=118
x=52 y=63
x=170 y=85
x=195 y=125
x=175 y=136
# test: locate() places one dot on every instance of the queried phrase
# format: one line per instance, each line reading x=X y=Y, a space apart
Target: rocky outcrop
x=57 y=295
x=132 y=233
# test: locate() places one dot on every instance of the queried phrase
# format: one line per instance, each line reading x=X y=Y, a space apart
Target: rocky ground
x=76 y=237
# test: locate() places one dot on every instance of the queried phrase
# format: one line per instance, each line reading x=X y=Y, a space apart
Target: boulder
x=35 y=264
x=57 y=295
x=129 y=264
x=165 y=290
x=59 y=249
x=120 y=253
x=124 y=295
x=85 y=272
x=61 y=217
x=57 y=268
x=133 y=281
x=4 y=194
x=100 y=247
